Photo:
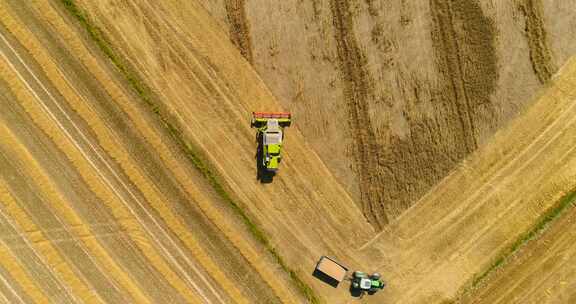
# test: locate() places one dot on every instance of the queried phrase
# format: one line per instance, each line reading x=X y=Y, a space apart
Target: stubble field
x=129 y=174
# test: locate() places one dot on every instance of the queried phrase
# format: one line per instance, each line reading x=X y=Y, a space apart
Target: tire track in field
x=535 y=32
x=28 y=288
x=239 y=27
x=446 y=44
x=37 y=204
x=41 y=245
x=10 y=291
x=9 y=261
x=122 y=217
x=101 y=176
x=80 y=231
x=358 y=89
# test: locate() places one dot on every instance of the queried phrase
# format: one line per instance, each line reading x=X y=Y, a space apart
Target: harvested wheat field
x=423 y=147
x=541 y=272
x=399 y=92
x=99 y=203
x=489 y=206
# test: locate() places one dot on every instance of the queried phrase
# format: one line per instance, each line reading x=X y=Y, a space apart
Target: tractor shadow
x=325 y=278
x=262 y=175
x=356 y=293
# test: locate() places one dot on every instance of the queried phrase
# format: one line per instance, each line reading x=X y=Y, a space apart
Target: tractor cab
x=365 y=283
x=273 y=137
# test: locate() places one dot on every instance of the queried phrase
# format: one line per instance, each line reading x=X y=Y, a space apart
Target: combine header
x=270 y=126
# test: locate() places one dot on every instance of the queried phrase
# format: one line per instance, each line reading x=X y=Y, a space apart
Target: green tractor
x=362 y=283
x=270 y=126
